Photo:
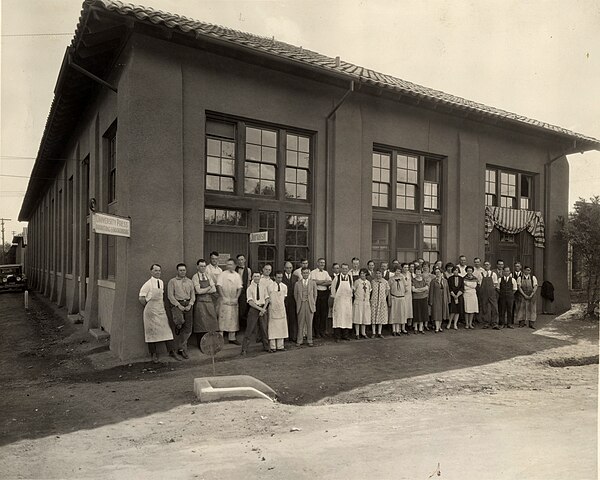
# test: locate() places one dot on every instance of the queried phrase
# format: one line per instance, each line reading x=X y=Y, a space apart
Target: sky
x=539 y=58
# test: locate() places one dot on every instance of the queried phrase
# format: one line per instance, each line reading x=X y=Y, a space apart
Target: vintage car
x=12 y=278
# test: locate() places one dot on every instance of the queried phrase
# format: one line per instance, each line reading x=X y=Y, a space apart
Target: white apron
x=156 y=323
x=342 y=305
x=277 y=316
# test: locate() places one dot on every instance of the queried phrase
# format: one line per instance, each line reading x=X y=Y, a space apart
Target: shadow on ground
x=50 y=387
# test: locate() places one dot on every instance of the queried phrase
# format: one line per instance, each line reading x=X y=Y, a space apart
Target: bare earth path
x=483 y=404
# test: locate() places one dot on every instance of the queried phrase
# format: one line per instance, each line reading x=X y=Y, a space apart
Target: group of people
x=303 y=304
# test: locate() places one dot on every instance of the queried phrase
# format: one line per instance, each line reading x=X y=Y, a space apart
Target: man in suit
x=305 y=294
x=289 y=280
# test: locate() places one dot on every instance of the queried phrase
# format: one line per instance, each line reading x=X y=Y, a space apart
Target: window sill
x=107 y=284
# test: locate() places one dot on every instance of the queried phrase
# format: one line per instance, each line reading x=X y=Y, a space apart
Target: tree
x=582 y=230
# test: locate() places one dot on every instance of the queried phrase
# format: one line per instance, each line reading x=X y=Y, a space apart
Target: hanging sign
x=258 y=237
x=111 y=224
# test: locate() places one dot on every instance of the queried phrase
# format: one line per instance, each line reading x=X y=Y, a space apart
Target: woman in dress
x=420 y=291
x=277 y=326
x=457 y=289
x=527 y=286
x=156 y=323
x=397 y=316
x=408 y=294
x=439 y=298
x=470 y=296
x=379 y=303
x=362 y=305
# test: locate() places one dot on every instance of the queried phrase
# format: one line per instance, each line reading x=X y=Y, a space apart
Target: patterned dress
x=379 y=307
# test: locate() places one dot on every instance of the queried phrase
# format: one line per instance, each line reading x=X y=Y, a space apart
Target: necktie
x=279 y=287
x=158 y=281
x=257 y=292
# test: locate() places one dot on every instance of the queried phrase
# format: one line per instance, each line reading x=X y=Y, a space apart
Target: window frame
x=519 y=176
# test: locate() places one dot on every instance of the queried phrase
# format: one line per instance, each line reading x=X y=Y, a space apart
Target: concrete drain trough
x=214 y=389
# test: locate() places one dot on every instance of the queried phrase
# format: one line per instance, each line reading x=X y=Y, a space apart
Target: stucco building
x=201 y=135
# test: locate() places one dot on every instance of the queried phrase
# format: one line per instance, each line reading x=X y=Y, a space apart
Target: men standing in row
x=322 y=279
x=305 y=293
x=181 y=294
x=289 y=280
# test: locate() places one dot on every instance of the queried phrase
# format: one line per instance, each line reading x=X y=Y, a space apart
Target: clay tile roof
x=328 y=64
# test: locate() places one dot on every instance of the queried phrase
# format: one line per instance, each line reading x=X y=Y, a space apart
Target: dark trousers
x=341 y=333
x=292 y=322
x=153 y=346
x=505 y=309
x=180 y=340
x=321 y=311
x=254 y=322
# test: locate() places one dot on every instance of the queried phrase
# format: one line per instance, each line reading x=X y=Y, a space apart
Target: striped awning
x=512 y=221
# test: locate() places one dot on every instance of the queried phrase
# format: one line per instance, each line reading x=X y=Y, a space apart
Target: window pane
x=228 y=167
x=292 y=142
x=251 y=186
x=213 y=147
x=304 y=144
x=252 y=170
x=301 y=192
x=525 y=185
x=432 y=170
x=212 y=182
x=269 y=155
x=269 y=138
x=303 y=160
x=292 y=158
x=227 y=184
x=253 y=135
x=253 y=152
x=213 y=165
x=267 y=172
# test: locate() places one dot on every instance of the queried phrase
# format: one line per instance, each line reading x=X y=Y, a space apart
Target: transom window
x=221 y=216
x=508 y=189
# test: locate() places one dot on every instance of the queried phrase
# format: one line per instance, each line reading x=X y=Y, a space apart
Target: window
x=220 y=216
x=406 y=183
x=261 y=161
x=406 y=242
x=490 y=187
x=507 y=237
x=431 y=185
x=59 y=232
x=296 y=238
x=220 y=165
x=431 y=243
x=297 y=163
x=381 y=179
x=380 y=251
x=111 y=164
x=525 y=192
x=508 y=189
x=267 y=251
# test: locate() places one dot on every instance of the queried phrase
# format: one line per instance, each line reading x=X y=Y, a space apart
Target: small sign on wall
x=258 y=237
x=111 y=224
x=223 y=257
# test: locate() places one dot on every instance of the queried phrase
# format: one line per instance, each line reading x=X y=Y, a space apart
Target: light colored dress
x=277 y=316
x=156 y=322
x=470 y=296
x=230 y=282
x=362 y=302
x=397 y=305
x=341 y=290
x=379 y=307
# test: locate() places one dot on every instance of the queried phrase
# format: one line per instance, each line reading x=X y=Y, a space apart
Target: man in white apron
x=156 y=322
x=341 y=291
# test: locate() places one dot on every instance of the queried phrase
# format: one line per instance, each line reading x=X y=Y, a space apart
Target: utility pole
x=2 y=220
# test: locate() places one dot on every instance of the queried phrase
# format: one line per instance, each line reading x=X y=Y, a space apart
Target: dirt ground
x=480 y=404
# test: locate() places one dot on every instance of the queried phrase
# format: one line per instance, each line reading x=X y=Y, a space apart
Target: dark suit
x=290 y=306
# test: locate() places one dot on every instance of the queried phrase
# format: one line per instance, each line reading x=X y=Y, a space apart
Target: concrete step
x=99 y=334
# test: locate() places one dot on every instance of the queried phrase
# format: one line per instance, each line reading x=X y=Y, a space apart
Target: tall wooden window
x=296 y=238
x=431 y=240
x=112 y=164
x=407 y=174
x=381 y=179
x=431 y=185
x=490 y=187
x=267 y=251
x=261 y=162
x=380 y=251
x=70 y=222
x=297 y=163
x=508 y=190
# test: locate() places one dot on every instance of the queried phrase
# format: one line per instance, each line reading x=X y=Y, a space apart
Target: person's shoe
x=531 y=326
x=485 y=326
x=510 y=326
x=154 y=358
x=455 y=327
x=496 y=327
x=357 y=337
x=364 y=336
x=379 y=335
x=172 y=354
x=235 y=342
x=311 y=344
x=184 y=354
x=243 y=353
x=422 y=332
x=272 y=350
